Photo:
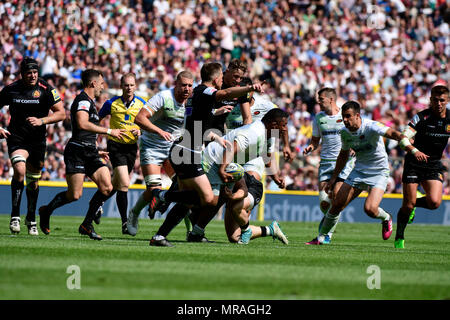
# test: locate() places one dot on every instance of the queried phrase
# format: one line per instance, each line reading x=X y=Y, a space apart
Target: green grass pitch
x=125 y=267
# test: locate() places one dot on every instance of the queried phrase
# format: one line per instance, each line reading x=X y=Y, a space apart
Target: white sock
x=329 y=224
x=383 y=215
x=158 y=237
x=140 y=204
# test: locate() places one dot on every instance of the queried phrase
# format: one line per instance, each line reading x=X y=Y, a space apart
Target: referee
x=30 y=99
x=122 y=152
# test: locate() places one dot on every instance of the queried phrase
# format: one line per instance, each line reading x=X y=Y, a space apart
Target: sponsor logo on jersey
x=256 y=113
x=36 y=94
x=338 y=120
x=84 y=105
x=25 y=101
x=447 y=128
x=55 y=94
x=209 y=91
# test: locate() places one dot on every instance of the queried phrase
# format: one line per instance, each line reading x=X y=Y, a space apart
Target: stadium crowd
x=384 y=54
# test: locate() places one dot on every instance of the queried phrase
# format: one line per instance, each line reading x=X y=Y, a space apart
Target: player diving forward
x=238 y=211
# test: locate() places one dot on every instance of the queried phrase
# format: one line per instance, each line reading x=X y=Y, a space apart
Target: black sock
x=174 y=185
x=189 y=197
x=174 y=217
x=122 y=204
x=422 y=203
x=402 y=222
x=32 y=196
x=58 y=201
x=263 y=232
x=16 y=196
x=97 y=200
x=195 y=212
x=244 y=227
x=207 y=213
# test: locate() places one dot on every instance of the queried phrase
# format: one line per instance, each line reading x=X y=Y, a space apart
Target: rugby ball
x=236 y=170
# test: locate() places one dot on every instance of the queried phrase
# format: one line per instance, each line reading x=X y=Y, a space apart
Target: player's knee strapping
x=153 y=180
x=17 y=158
x=323 y=197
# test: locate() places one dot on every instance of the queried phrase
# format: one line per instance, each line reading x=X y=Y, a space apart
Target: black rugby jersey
x=431 y=137
x=25 y=101
x=83 y=103
x=198 y=116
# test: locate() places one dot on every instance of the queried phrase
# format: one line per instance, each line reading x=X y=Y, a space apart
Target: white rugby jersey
x=328 y=128
x=251 y=141
x=367 y=142
x=259 y=108
x=168 y=114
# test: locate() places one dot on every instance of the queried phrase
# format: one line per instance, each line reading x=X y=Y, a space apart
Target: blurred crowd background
x=385 y=54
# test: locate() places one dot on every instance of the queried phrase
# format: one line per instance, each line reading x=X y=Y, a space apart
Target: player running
x=430 y=130
x=161 y=120
x=371 y=171
x=326 y=131
x=30 y=99
x=82 y=158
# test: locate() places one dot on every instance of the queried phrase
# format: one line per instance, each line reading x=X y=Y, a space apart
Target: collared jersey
x=367 y=142
x=328 y=128
x=25 y=102
x=431 y=137
x=122 y=116
x=259 y=108
x=168 y=113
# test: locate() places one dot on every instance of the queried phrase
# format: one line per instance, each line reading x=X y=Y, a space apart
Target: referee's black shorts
x=413 y=173
x=82 y=159
x=122 y=154
x=35 y=149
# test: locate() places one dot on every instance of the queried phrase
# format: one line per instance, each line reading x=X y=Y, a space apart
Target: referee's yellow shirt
x=122 y=116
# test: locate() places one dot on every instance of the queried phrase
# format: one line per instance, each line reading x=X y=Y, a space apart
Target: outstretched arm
x=405 y=144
